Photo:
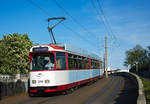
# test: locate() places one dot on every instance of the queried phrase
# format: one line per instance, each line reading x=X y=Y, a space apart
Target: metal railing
x=14 y=78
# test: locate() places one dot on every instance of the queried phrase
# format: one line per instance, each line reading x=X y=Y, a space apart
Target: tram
x=55 y=68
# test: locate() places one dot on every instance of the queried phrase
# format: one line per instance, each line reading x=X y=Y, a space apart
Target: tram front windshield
x=42 y=62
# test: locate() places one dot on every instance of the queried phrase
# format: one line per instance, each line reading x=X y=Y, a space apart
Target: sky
x=128 y=21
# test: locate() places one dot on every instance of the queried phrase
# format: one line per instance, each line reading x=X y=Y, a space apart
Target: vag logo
x=39 y=75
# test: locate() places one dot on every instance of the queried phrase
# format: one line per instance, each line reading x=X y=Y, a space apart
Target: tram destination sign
x=39 y=49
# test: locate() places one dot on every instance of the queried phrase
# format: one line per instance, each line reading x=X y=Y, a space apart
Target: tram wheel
x=68 y=91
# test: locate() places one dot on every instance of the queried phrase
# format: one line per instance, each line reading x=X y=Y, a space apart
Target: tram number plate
x=40 y=81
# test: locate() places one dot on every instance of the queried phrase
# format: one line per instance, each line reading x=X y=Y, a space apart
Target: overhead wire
x=101 y=14
x=34 y=4
x=75 y=20
x=114 y=38
x=106 y=21
x=67 y=27
x=72 y=30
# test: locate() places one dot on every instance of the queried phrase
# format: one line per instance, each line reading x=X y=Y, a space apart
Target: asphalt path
x=113 y=90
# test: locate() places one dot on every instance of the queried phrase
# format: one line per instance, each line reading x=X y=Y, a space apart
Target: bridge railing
x=14 y=78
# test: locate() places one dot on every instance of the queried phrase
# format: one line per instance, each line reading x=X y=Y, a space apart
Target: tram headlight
x=47 y=81
x=33 y=81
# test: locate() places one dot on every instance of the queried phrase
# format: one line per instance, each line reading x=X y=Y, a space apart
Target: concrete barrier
x=141 y=96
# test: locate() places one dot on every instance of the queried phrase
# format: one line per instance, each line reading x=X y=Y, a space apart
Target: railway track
x=104 y=91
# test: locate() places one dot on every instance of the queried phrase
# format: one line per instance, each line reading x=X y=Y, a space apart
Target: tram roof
x=64 y=48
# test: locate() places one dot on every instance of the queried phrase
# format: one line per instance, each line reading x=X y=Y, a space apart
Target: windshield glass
x=42 y=62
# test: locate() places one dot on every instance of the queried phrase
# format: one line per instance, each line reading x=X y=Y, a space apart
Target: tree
x=14 y=53
x=135 y=58
x=148 y=58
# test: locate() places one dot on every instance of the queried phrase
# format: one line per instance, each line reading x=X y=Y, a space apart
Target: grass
x=146 y=85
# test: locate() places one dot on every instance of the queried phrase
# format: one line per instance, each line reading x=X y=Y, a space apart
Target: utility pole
x=106 y=64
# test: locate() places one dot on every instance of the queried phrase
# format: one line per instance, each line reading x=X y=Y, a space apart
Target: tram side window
x=100 y=65
x=60 y=60
x=72 y=62
x=96 y=65
x=86 y=63
x=77 y=62
x=92 y=64
x=82 y=64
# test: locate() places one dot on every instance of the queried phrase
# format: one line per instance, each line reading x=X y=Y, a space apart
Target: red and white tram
x=56 y=68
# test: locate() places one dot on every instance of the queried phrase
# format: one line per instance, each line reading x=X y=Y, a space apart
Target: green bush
x=14 y=53
x=146 y=85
